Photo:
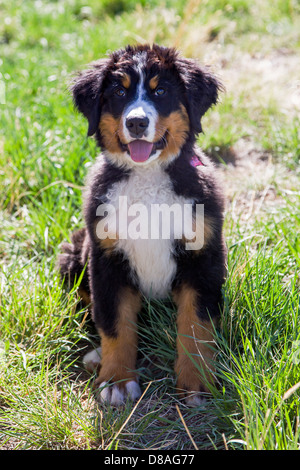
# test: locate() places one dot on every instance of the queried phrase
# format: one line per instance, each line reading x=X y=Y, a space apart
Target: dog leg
x=118 y=353
x=194 y=364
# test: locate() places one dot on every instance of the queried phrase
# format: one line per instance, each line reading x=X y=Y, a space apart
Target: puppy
x=144 y=105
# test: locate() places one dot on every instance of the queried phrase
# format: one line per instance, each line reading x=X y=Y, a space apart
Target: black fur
x=206 y=271
x=87 y=93
x=72 y=261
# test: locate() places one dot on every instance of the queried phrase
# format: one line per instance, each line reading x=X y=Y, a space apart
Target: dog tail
x=72 y=263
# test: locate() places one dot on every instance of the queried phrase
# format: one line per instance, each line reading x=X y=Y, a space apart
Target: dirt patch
x=253 y=179
x=265 y=79
x=254 y=183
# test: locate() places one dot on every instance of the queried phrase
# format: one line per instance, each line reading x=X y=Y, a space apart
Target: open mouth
x=141 y=150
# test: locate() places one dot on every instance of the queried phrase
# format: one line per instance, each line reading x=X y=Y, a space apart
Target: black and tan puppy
x=144 y=104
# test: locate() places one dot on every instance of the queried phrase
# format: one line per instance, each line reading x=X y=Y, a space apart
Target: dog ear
x=86 y=89
x=201 y=90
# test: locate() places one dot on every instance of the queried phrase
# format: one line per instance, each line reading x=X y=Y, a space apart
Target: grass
x=46 y=400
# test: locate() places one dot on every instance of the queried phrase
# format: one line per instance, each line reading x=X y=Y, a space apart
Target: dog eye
x=120 y=92
x=160 y=91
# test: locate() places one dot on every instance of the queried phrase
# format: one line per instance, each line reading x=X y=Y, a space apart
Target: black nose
x=137 y=126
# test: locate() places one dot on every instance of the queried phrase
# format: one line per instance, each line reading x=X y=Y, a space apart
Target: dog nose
x=137 y=126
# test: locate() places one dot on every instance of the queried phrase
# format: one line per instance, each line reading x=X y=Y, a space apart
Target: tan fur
x=85 y=296
x=126 y=81
x=108 y=244
x=153 y=82
x=119 y=352
x=208 y=232
x=195 y=336
x=111 y=129
x=176 y=125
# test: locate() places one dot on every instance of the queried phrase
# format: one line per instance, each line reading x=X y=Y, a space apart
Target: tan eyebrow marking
x=153 y=82
x=126 y=81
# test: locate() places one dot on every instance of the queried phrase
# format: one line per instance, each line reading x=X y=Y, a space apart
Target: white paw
x=194 y=399
x=92 y=360
x=116 y=396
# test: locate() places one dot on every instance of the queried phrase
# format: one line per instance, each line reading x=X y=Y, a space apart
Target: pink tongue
x=140 y=150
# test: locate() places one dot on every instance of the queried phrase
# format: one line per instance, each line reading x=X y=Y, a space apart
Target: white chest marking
x=151 y=259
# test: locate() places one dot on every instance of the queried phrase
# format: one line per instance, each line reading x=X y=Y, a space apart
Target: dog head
x=144 y=102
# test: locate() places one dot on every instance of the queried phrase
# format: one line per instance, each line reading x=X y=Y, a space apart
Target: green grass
x=46 y=399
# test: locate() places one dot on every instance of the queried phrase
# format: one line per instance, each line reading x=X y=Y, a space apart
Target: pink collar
x=195 y=161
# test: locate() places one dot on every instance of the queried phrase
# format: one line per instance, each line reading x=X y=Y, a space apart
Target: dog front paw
x=116 y=394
